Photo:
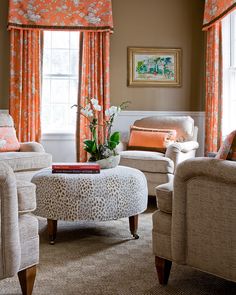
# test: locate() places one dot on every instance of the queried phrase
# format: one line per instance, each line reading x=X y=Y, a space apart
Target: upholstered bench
x=114 y=193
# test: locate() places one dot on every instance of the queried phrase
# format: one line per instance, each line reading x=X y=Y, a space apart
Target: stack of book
x=86 y=168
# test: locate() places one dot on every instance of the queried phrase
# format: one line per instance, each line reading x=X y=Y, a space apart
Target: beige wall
x=4 y=55
x=159 y=23
x=155 y=23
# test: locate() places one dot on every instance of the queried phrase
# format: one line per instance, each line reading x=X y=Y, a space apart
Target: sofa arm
x=31 y=147
x=10 y=251
x=181 y=151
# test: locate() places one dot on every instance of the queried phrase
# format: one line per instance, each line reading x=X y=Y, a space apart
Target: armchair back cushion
x=184 y=125
x=150 y=139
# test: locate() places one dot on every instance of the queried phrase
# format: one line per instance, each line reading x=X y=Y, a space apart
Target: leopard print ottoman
x=112 y=194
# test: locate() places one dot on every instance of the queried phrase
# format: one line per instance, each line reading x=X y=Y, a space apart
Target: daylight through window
x=229 y=73
x=60 y=81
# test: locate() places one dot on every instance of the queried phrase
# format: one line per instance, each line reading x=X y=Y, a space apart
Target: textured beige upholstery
x=196 y=220
x=19 y=240
x=30 y=159
x=26 y=196
x=158 y=167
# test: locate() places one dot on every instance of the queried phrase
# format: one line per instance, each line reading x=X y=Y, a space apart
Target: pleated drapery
x=213 y=130
x=94 y=83
x=215 y=10
x=25 y=77
x=27 y=19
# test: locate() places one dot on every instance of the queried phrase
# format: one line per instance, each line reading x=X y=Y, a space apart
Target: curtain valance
x=84 y=15
x=215 y=10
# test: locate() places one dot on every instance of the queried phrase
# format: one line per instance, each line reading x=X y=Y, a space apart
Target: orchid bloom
x=95 y=105
x=113 y=110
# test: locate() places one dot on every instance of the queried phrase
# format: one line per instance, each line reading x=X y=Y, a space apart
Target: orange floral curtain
x=215 y=10
x=25 y=76
x=90 y=15
x=94 y=83
x=27 y=18
x=213 y=89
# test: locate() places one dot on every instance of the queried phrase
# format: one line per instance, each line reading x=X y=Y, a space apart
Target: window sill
x=58 y=136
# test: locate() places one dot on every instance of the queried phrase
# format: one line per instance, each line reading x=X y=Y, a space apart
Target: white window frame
x=229 y=73
x=55 y=76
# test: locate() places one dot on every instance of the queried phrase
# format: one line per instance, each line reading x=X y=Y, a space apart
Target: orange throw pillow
x=8 y=134
x=150 y=139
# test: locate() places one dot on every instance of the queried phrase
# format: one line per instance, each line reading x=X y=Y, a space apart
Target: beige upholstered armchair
x=27 y=158
x=19 y=241
x=159 y=167
x=196 y=221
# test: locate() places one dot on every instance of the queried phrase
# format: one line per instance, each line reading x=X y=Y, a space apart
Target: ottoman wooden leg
x=52 y=230
x=133 y=225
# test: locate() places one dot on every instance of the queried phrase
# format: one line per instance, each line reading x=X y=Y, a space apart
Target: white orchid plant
x=101 y=150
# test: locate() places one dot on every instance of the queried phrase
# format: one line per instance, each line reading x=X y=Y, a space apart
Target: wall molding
x=62 y=145
x=4 y=111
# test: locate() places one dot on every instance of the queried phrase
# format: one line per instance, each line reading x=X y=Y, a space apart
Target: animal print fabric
x=112 y=194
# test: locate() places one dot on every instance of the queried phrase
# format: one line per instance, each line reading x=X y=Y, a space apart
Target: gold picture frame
x=154 y=67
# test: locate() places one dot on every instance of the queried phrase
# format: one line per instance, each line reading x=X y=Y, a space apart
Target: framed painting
x=154 y=67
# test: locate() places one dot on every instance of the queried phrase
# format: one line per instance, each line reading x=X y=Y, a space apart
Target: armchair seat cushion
x=26 y=196
x=147 y=161
x=23 y=161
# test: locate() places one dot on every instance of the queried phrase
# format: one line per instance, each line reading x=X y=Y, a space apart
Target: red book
x=75 y=166
x=87 y=171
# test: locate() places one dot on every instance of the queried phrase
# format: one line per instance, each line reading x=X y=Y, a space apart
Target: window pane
x=46 y=91
x=74 y=62
x=59 y=117
x=60 y=81
x=47 y=61
x=60 y=62
x=73 y=92
x=60 y=39
x=46 y=117
x=60 y=91
x=233 y=31
x=74 y=40
x=72 y=119
x=47 y=38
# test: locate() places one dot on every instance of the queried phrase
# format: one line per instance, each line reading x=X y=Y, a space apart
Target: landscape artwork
x=153 y=67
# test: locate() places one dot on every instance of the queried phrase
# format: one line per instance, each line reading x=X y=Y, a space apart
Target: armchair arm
x=183 y=147
x=31 y=147
x=10 y=241
x=180 y=151
x=203 y=215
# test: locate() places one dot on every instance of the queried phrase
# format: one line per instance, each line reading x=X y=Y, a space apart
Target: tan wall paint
x=4 y=55
x=159 y=23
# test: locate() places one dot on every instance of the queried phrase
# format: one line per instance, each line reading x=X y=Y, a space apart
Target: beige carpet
x=102 y=258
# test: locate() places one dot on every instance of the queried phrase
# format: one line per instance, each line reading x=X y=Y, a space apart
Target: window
x=59 y=81
x=229 y=73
